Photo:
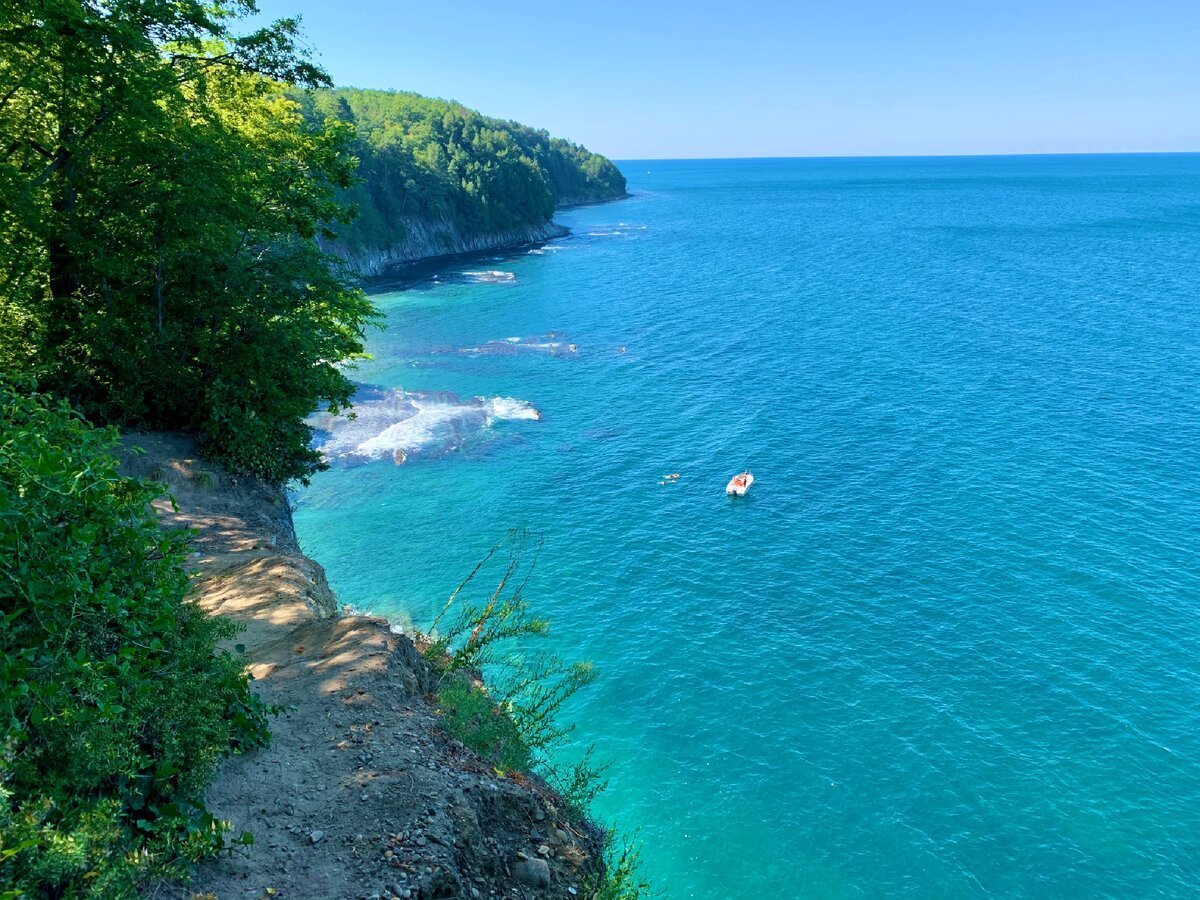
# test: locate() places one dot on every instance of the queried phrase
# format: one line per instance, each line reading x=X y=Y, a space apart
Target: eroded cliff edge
x=426 y=239
x=360 y=794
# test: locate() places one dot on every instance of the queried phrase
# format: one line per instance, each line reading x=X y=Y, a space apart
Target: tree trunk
x=158 y=291
x=64 y=280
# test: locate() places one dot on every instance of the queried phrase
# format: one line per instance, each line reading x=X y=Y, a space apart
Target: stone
x=315 y=837
x=533 y=872
x=543 y=850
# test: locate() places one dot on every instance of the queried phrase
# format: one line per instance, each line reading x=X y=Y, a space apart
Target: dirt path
x=360 y=794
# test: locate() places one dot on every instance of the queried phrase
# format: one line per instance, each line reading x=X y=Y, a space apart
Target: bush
x=526 y=687
x=514 y=720
x=115 y=705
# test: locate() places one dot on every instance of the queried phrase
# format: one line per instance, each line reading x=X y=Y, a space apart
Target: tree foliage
x=114 y=703
x=431 y=159
x=158 y=261
x=166 y=186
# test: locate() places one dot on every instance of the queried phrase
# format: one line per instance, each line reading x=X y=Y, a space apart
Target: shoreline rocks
x=427 y=240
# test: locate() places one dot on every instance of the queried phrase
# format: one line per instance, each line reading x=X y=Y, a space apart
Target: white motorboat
x=739 y=484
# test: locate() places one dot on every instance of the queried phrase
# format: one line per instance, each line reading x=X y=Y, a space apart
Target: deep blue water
x=950 y=645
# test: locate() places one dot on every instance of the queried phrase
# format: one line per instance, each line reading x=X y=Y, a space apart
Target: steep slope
x=438 y=178
x=361 y=794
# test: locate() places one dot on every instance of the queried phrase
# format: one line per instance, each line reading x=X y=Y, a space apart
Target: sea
x=949 y=644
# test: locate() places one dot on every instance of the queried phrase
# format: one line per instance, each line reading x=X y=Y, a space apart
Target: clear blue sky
x=764 y=78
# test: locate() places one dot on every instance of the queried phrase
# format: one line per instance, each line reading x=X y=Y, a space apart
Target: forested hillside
x=436 y=161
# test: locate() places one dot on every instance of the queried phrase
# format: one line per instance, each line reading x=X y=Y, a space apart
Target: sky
x=646 y=80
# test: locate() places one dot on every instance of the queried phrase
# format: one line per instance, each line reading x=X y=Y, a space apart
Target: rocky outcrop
x=426 y=239
x=360 y=794
x=568 y=202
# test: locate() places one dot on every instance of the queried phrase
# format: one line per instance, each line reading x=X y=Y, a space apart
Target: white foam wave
x=510 y=408
x=491 y=276
x=512 y=346
x=621 y=228
x=399 y=425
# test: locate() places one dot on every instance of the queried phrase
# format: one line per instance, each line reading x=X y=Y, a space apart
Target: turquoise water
x=950 y=644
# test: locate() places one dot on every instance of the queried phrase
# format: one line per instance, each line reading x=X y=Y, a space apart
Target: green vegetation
x=514 y=720
x=115 y=705
x=161 y=199
x=434 y=160
x=167 y=187
x=527 y=689
x=623 y=879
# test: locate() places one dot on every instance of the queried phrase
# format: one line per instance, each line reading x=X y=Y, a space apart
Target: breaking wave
x=401 y=425
x=490 y=276
x=618 y=230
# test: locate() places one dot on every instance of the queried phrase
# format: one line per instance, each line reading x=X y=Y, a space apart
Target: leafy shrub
x=514 y=720
x=623 y=878
x=472 y=716
x=115 y=705
x=528 y=686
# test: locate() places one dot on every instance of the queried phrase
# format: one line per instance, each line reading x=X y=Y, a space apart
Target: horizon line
x=750 y=158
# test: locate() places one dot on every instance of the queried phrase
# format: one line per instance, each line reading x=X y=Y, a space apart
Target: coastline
x=361 y=793
x=575 y=204
x=435 y=242
x=432 y=242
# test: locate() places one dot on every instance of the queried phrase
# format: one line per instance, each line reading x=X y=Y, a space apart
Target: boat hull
x=739 y=484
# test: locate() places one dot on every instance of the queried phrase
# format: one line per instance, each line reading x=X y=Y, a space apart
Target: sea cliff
x=426 y=239
x=434 y=178
x=361 y=793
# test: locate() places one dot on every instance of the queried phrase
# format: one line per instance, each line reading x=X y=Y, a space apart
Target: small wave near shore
x=401 y=425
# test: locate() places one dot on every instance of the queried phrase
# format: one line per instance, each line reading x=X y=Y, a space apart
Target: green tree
x=429 y=159
x=158 y=259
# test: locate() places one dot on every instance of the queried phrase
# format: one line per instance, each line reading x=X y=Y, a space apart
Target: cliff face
x=360 y=794
x=428 y=239
x=567 y=202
